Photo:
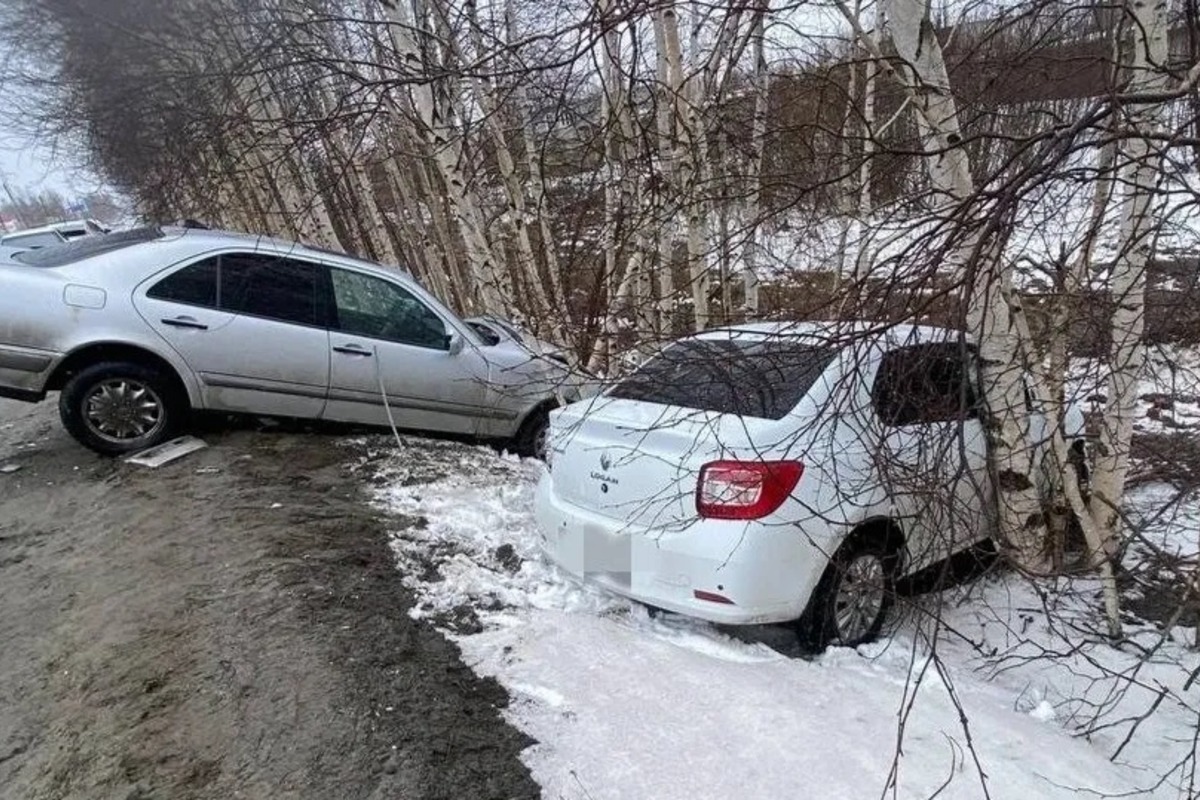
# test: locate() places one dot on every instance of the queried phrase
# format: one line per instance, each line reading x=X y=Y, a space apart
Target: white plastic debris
x=167 y=452
x=9 y=469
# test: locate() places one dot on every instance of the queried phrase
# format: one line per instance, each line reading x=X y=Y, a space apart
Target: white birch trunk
x=865 y=255
x=517 y=215
x=537 y=183
x=1142 y=166
x=752 y=258
x=990 y=305
x=438 y=129
x=669 y=74
x=695 y=172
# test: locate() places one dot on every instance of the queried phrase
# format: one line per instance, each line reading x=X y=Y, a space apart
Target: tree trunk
x=436 y=125
x=864 y=257
x=752 y=258
x=517 y=215
x=990 y=305
x=695 y=172
x=1141 y=161
x=668 y=107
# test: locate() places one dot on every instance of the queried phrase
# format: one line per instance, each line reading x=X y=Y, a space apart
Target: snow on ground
x=1053 y=223
x=623 y=705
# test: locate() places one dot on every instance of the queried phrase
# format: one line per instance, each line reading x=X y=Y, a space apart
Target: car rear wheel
x=855 y=594
x=116 y=408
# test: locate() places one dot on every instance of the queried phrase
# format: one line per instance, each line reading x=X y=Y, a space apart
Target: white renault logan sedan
x=775 y=472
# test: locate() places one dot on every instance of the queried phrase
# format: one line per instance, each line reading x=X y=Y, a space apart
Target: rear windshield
x=751 y=378
x=56 y=255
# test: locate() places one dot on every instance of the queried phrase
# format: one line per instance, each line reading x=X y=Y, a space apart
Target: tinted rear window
x=57 y=255
x=763 y=378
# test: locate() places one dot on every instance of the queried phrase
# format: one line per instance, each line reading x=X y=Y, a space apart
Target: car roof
x=222 y=238
x=841 y=331
x=68 y=224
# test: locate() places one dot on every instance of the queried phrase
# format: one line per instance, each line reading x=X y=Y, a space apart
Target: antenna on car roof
x=191 y=223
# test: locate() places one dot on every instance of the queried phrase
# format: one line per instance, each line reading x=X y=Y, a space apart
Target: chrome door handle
x=352 y=350
x=185 y=322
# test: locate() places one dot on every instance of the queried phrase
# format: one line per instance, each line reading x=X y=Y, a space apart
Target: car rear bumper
x=24 y=372
x=767 y=572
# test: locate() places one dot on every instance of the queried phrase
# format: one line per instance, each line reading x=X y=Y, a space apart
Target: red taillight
x=745 y=489
x=712 y=597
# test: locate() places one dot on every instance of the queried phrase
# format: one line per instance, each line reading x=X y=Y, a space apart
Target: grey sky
x=34 y=167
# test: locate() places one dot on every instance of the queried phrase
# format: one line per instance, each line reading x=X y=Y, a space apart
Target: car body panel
x=617 y=505
x=33 y=238
x=426 y=387
x=251 y=364
x=243 y=363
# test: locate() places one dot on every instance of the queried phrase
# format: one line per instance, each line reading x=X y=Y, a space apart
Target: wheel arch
x=98 y=352
x=885 y=529
x=547 y=405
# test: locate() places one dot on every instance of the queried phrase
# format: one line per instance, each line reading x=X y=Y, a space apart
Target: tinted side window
x=195 y=285
x=370 y=306
x=924 y=384
x=271 y=287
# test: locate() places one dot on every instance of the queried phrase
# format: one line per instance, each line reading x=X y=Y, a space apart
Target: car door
x=933 y=458
x=385 y=337
x=251 y=325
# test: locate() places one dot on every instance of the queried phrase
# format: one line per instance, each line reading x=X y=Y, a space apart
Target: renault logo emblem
x=605 y=461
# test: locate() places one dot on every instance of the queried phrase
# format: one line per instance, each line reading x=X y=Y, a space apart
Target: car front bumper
x=767 y=571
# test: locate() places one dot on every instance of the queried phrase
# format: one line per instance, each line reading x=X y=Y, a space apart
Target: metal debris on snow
x=167 y=452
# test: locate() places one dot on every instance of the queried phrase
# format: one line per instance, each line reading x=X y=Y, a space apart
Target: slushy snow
x=1011 y=692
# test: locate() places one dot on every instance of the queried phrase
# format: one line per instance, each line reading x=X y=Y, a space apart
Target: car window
x=749 y=377
x=269 y=286
x=486 y=333
x=925 y=384
x=195 y=285
x=371 y=306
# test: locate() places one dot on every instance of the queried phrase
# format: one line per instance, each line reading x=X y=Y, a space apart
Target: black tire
x=530 y=441
x=819 y=627
x=169 y=413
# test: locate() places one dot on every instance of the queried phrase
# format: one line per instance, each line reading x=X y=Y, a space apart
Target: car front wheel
x=531 y=440
x=116 y=408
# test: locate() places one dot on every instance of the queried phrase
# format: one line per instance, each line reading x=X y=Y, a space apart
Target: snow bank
x=628 y=706
x=1053 y=222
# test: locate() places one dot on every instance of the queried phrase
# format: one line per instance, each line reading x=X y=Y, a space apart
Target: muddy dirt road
x=229 y=625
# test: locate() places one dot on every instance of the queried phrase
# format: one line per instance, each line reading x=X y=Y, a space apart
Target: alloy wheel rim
x=859 y=599
x=122 y=410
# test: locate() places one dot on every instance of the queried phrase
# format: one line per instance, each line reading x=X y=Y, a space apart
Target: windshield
x=748 y=377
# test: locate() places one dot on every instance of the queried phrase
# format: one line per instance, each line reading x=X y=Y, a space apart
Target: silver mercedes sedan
x=138 y=328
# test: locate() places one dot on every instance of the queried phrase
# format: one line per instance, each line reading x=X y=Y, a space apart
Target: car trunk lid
x=635 y=461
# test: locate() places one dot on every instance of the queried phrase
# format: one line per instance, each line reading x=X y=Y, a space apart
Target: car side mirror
x=454 y=344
